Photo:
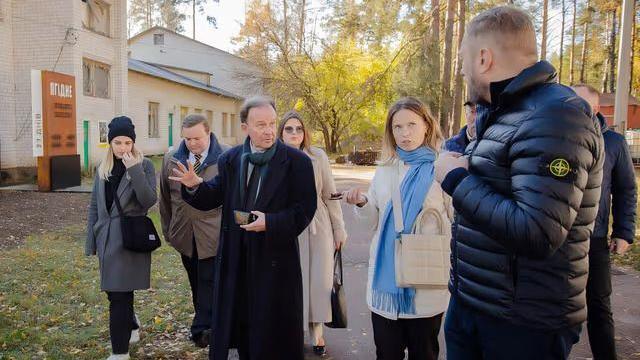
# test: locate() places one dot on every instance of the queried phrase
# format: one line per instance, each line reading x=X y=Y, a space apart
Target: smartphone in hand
x=243 y=217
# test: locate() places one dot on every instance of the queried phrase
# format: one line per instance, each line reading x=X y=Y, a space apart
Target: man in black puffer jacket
x=526 y=199
x=618 y=198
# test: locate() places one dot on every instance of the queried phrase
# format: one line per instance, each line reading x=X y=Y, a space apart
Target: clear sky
x=230 y=16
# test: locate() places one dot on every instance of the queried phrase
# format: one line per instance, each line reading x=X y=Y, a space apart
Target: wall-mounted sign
x=58 y=163
x=36 y=113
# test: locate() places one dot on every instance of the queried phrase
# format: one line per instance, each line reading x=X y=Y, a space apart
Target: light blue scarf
x=386 y=296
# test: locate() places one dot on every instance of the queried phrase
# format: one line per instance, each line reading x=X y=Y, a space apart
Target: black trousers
x=599 y=316
x=122 y=320
x=201 y=279
x=419 y=336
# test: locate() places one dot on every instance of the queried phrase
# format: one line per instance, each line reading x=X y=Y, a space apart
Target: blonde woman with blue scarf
x=403 y=317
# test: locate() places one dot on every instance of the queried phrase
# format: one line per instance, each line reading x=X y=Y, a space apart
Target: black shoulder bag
x=138 y=232
x=338 y=297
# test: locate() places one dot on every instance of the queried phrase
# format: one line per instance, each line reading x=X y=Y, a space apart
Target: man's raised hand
x=187 y=177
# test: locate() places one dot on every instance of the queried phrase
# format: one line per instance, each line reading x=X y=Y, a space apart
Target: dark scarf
x=260 y=162
x=111 y=186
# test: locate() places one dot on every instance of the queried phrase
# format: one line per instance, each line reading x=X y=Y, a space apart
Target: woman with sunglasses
x=325 y=234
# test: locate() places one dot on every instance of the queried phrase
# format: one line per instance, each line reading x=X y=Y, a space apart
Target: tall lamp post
x=624 y=67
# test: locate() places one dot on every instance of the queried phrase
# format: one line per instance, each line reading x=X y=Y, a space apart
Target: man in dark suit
x=258 y=296
x=618 y=199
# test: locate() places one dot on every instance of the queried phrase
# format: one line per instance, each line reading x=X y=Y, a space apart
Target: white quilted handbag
x=423 y=260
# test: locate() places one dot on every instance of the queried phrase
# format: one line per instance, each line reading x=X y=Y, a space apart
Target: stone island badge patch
x=560 y=167
x=557 y=167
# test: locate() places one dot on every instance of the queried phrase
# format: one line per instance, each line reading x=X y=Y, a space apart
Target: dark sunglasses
x=292 y=129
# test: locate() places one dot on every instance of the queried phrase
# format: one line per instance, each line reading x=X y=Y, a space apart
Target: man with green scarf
x=258 y=296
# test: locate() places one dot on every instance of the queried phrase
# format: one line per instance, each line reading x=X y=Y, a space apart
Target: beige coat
x=317 y=244
x=428 y=302
x=180 y=221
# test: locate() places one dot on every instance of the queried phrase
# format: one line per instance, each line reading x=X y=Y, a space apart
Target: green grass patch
x=51 y=306
x=157 y=161
x=631 y=258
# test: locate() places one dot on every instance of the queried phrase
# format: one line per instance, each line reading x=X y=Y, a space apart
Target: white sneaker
x=118 y=357
x=135 y=333
x=135 y=336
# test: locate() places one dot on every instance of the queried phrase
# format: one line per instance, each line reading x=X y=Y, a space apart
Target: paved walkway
x=356 y=342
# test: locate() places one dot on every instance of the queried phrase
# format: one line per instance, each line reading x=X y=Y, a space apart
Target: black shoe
x=319 y=350
x=202 y=340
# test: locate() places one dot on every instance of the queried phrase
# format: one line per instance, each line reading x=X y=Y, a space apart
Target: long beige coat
x=317 y=244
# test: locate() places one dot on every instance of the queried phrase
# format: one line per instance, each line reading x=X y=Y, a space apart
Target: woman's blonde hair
x=433 y=137
x=106 y=165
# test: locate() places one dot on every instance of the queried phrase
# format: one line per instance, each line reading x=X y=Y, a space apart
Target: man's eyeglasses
x=293 y=129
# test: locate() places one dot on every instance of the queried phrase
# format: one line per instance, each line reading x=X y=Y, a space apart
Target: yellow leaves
x=74 y=351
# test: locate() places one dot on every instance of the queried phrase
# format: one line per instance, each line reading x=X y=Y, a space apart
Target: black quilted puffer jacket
x=526 y=206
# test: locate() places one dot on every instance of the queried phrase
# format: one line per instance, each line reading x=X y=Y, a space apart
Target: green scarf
x=260 y=162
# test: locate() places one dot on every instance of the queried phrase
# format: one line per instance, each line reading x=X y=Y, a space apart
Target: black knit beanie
x=122 y=126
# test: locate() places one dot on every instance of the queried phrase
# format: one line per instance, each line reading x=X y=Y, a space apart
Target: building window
x=104 y=132
x=225 y=125
x=198 y=111
x=210 y=119
x=96 y=17
x=158 y=39
x=154 y=125
x=184 y=111
x=95 y=78
x=233 y=125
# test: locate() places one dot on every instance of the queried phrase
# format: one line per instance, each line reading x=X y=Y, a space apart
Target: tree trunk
x=432 y=49
x=334 y=142
x=585 y=31
x=193 y=13
x=612 y=51
x=457 y=91
x=303 y=5
x=326 y=137
x=605 y=68
x=633 y=45
x=149 y=14
x=445 y=94
x=286 y=26
x=562 y=41
x=545 y=20
x=573 y=42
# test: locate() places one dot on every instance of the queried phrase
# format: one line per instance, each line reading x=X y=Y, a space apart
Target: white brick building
x=175 y=52
x=83 y=39
x=160 y=99
x=87 y=39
